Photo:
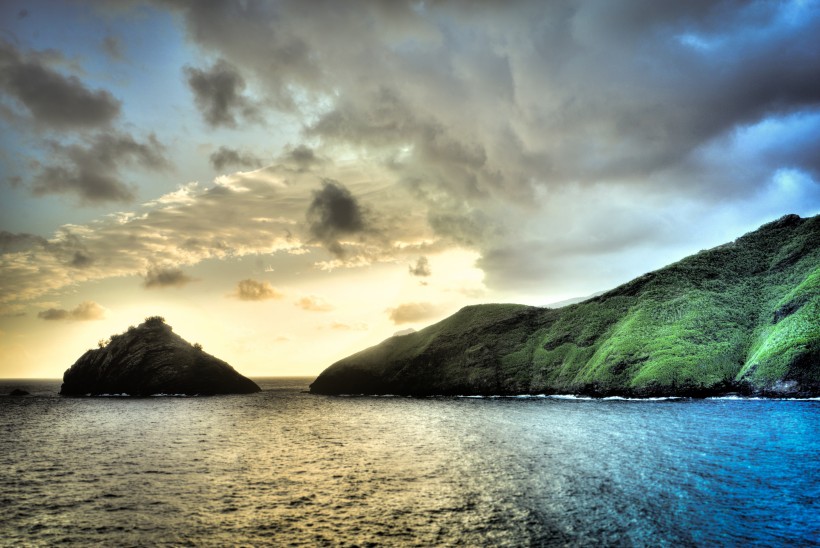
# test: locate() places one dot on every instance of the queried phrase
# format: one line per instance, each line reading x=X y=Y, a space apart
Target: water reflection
x=283 y=466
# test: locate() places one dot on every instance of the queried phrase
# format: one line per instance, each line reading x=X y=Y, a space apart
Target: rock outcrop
x=743 y=318
x=152 y=359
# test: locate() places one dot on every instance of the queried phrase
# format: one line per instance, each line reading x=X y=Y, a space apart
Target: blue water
x=283 y=467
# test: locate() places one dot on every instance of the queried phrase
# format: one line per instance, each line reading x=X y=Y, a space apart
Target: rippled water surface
x=283 y=467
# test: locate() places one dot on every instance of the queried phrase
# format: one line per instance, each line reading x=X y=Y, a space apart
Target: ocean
x=286 y=468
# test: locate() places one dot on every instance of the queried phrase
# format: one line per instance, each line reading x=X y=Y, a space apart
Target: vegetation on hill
x=742 y=317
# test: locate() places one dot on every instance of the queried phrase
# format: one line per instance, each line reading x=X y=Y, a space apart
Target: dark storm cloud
x=91 y=170
x=218 y=94
x=303 y=157
x=334 y=212
x=735 y=64
x=257 y=35
x=224 y=157
x=502 y=98
x=421 y=268
x=85 y=311
x=159 y=277
x=53 y=99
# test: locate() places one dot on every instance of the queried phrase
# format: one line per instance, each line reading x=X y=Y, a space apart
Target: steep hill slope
x=152 y=359
x=742 y=317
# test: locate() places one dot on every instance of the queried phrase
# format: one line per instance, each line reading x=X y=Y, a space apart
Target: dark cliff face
x=152 y=359
x=742 y=317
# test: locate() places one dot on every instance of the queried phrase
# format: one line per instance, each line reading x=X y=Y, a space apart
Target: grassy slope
x=740 y=317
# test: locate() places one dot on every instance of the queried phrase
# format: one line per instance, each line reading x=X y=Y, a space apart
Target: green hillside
x=742 y=317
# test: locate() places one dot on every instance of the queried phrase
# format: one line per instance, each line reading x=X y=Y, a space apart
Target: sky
x=290 y=182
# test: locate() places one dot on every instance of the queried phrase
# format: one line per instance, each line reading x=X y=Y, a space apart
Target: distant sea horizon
x=729 y=396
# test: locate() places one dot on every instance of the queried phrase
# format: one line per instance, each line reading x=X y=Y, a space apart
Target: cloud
x=502 y=114
x=112 y=46
x=85 y=311
x=412 y=312
x=253 y=290
x=539 y=135
x=303 y=156
x=159 y=277
x=54 y=314
x=69 y=249
x=314 y=303
x=218 y=94
x=259 y=213
x=332 y=213
x=421 y=268
x=229 y=219
x=86 y=154
x=81 y=259
x=242 y=32
x=342 y=326
x=225 y=156
x=470 y=227
x=52 y=99
x=91 y=170
x=13 y=242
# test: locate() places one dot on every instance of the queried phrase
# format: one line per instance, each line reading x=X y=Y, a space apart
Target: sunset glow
x=290 y=182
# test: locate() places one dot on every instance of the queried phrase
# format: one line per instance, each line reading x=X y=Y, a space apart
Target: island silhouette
x=151 y=359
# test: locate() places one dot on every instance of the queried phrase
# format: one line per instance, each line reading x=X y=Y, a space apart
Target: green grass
x=743 y=316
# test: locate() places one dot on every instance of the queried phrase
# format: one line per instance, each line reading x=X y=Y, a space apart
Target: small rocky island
x=152 y=359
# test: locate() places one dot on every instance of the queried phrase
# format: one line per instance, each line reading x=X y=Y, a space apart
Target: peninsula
x=743 y=317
